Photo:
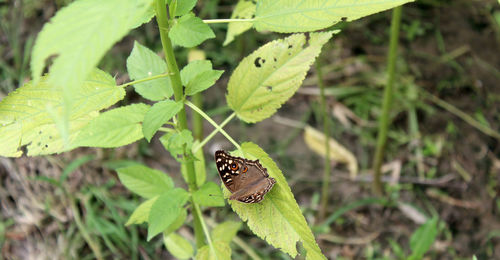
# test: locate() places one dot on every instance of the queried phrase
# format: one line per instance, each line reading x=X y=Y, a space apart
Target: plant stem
x=195 y=108
x=197 y=119
x=175 y=80
x=467 y=118
x=227 y=20
x=144 y=80
x=215 y=131
x=205 y=229
x=387 y=102
x=326 y=131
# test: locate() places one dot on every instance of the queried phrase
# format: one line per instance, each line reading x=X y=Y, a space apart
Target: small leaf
x=203 y=81
x=422 y=239
x=209 y=195
x=159 y=114
x=225 y=231
x=183 y=6
x=175 y=142
x=243 y=10
x=114 y=128
x=25 y=117
x=269 y=76
x=222 y=252
x=278 y=218
x=190 y=31
x=315 y=140
x=166 y=210
x=141 y=213
x=178 y=246
x=311 y=15
x=193 y=69
x=144 y=181
x=143 y=63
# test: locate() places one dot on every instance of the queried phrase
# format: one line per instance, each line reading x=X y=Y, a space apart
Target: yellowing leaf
x=268 y=77
x=315 y=140
x=311 y=15
x=25 y=120
x=278 y=218
x=243 y=10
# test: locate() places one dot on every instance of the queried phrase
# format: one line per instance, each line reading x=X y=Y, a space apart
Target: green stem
x=196 y=208
x=326 y=131
x=208 y=21
x=175 y=80
x=145 y=79
x=199 y=111
x=83 y=230
x=197 y=119
x=215 y=131
x=469 y=119
x=386 y=105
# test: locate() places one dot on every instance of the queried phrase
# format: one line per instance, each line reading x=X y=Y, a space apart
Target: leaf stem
x=215 y=131
x=208 y=21
x=196 y=208
x=387 y=102
x=175 y=80
x=326 y=131
x=195 y=108
x=145 y=79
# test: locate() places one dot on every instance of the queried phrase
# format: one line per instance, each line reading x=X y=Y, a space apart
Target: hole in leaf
x=343 y=19
x=269 y=88
x=259 y=61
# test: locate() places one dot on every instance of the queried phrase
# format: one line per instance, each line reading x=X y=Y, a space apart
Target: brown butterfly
x=247 y=180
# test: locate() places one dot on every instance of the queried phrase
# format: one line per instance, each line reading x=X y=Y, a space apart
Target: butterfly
x=247 y=180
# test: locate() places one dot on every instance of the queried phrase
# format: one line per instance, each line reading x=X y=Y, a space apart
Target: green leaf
x=25 y=120
x=80 y=34
x=144 y=181
x=225 y=231
x=193 y=69
x=278 y=218
x=209 y=195
x=243 y=10
x=311 y=15
x=178 y=222
x=166 y=210
x=141 y=213
x=222 y=252
x=159 y=114
x=189 y=31
x=178 y=246
x=175 y=142
x=203 y=81
x=422 y=239
x=114 y=128
x=143 y=63
x=268 y=77
x=183 y=6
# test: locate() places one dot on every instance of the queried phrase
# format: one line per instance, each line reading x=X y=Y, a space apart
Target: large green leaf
x=210 y=195
x=145 y=181
x=268 y=77
x=243 y=10
x=311 y=15
x=143 y=63
x=165 y=210
x=141 y=213
x=114 y=128
x=25 y=117
x=81 y=33
x=277 y=219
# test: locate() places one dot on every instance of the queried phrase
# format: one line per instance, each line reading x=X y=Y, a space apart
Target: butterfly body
x=247 y=180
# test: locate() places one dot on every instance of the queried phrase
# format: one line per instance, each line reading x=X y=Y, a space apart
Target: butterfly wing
x=255 y=192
